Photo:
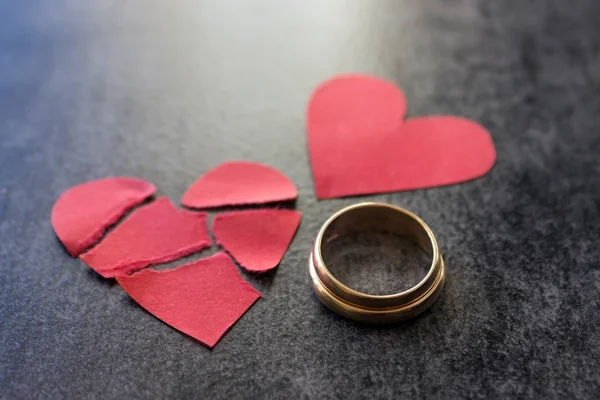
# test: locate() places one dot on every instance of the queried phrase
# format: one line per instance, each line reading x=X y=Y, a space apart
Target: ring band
x=376 y=308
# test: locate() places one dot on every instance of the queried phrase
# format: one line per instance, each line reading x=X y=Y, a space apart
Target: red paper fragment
x=154 y=234
x=237 y=183
x=82 y=214
x=359 y=145
x=257 y=239
x=202 y=299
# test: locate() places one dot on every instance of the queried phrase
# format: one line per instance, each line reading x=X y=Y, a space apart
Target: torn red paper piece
x=374 y=152
x=202 y=299
x=156 y=233
x=238 y=183
x=81 y=215
x=257 y=239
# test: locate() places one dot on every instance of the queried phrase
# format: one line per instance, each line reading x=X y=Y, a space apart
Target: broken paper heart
x=359 y=142
x=82 y=214
x=202 y=299
x=238 y=183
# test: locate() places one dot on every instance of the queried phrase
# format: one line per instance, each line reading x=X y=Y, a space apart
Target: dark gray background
x=166 y=90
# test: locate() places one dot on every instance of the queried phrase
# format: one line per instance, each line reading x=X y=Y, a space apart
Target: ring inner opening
x=377 y=250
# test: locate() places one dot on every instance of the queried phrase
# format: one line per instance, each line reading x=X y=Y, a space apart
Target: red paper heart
x=237 y=183
x=82 y=214
x=156 y=233
x=257 y=239
x=202 y=299
x=359 y=144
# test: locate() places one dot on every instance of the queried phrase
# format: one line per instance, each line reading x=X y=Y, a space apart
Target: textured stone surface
x=165 y=91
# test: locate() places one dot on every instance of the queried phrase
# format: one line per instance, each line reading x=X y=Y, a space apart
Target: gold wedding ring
x=364 y=307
